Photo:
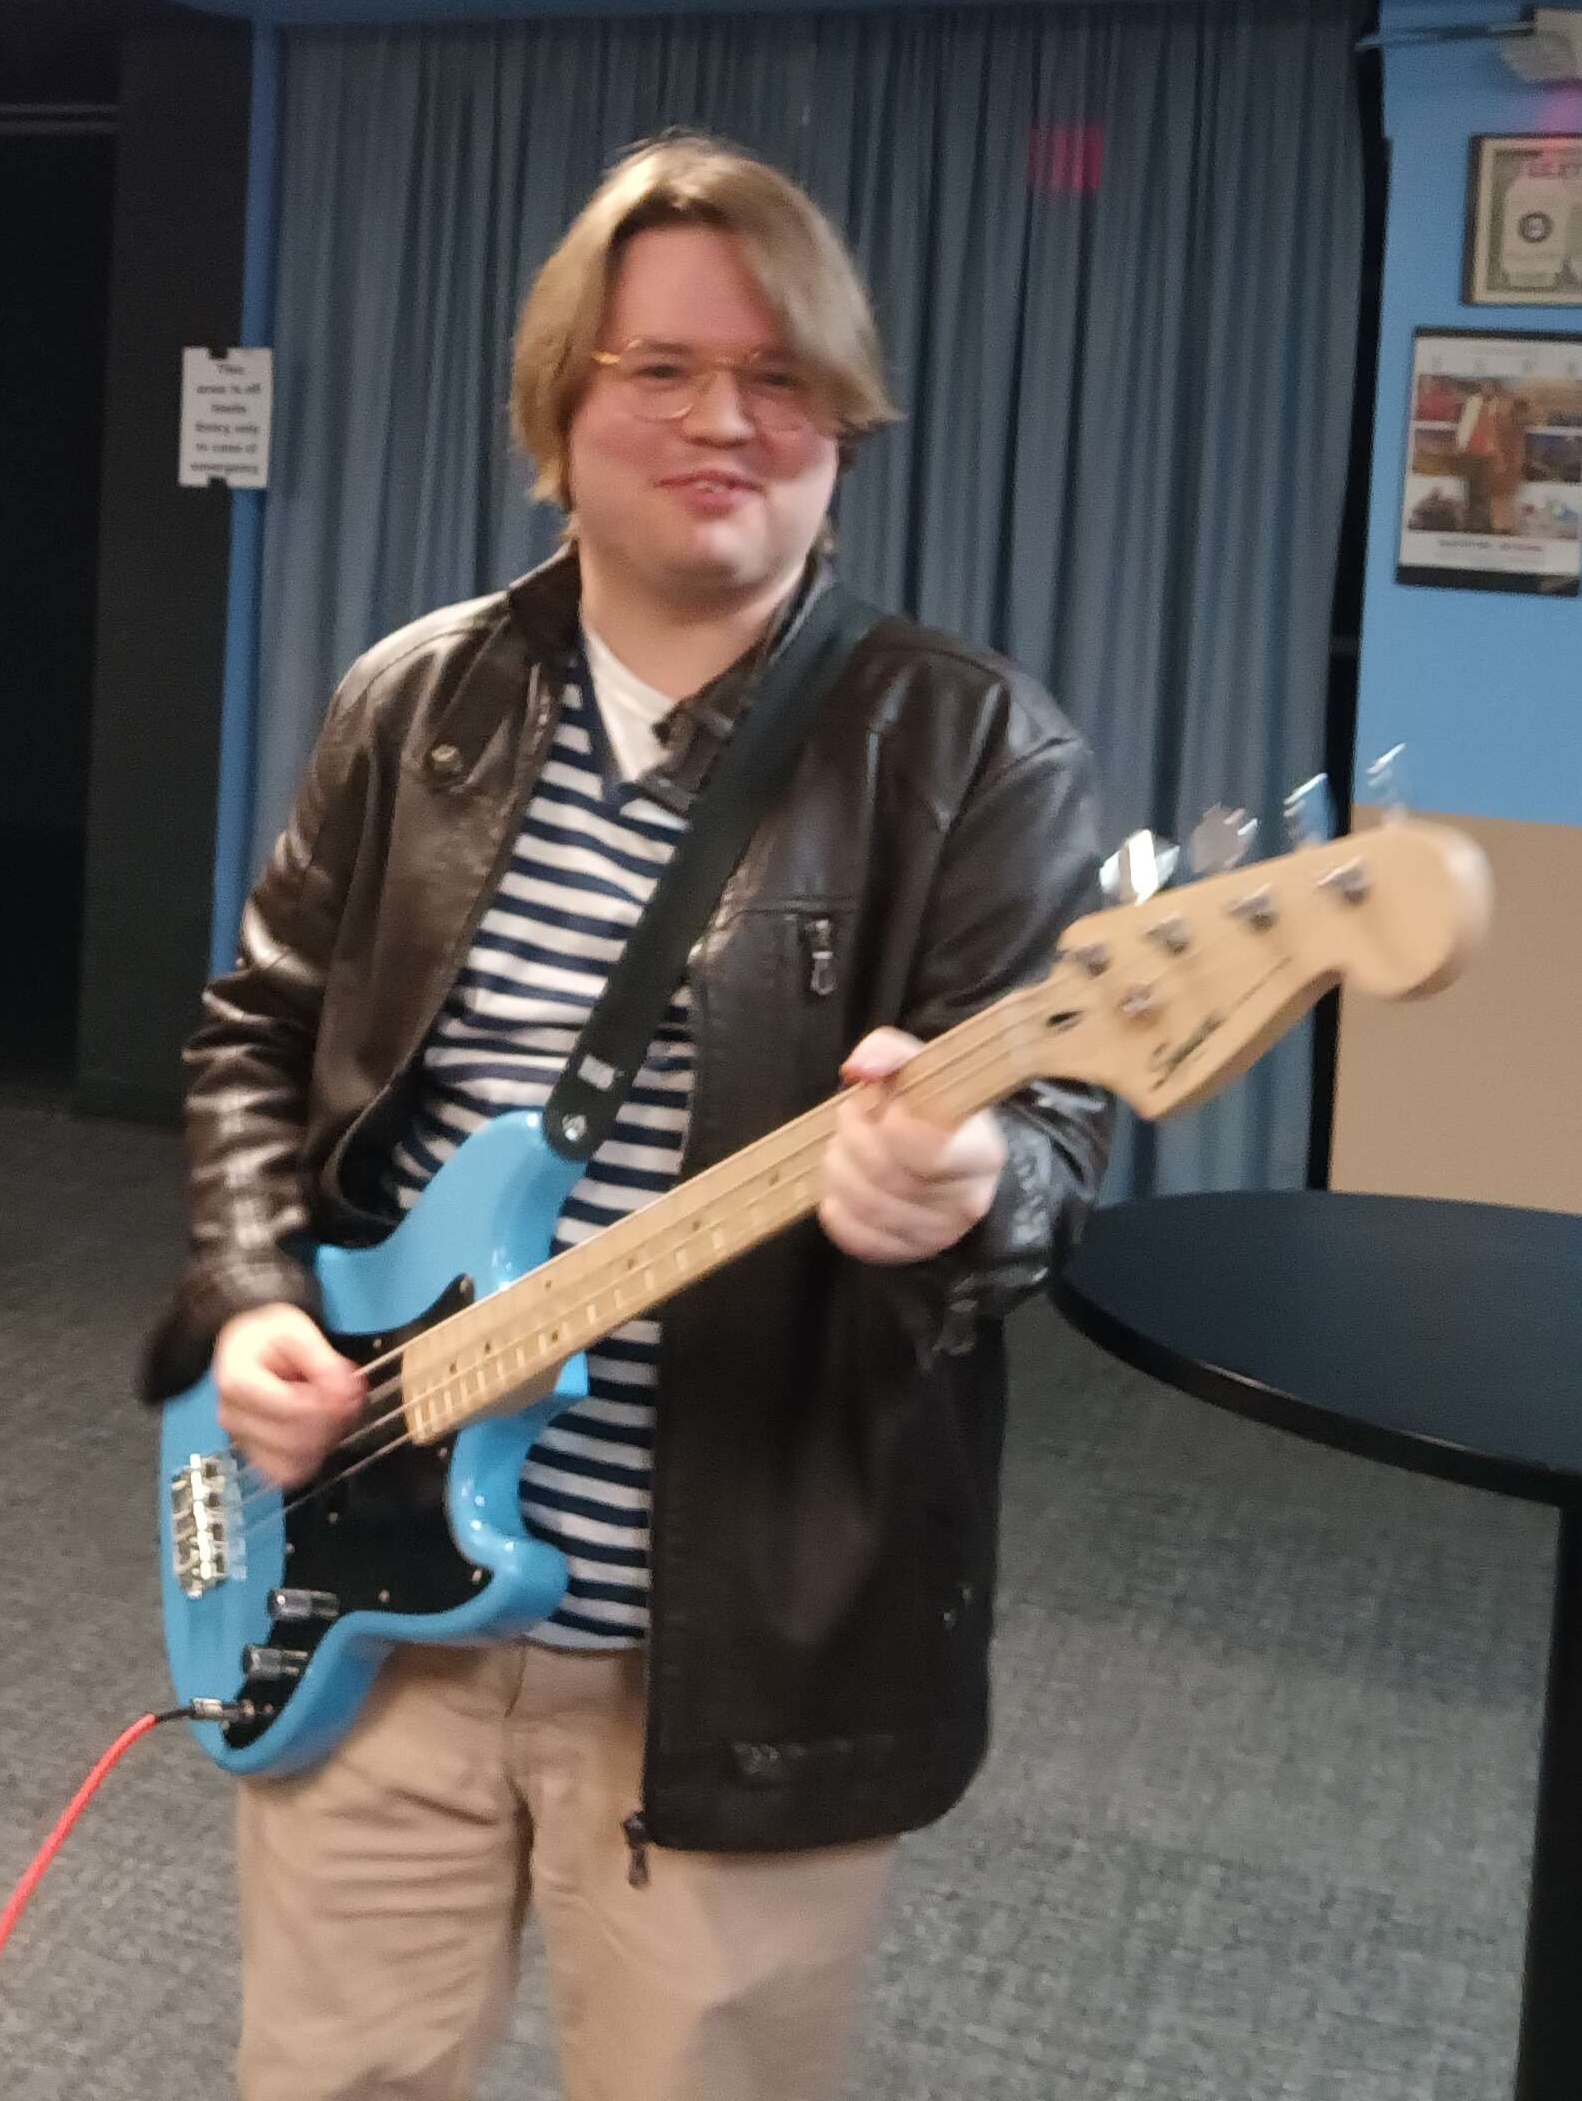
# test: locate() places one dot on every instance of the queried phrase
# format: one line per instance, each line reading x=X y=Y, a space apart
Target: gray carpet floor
x=1255 y=1828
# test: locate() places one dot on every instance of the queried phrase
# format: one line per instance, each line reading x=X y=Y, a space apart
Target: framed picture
x=1493 y=495
x=1524 y=221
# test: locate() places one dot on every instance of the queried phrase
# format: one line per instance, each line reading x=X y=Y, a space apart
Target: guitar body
x=426 y=1544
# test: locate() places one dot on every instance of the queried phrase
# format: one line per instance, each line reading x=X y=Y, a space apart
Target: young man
x=778 y=1502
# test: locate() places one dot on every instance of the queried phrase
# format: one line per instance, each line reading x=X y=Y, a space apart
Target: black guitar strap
x=609 y=1053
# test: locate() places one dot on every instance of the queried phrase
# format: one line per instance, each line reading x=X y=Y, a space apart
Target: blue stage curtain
x=1114 y=252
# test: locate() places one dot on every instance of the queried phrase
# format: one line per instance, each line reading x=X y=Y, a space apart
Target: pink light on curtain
x=1065 y=160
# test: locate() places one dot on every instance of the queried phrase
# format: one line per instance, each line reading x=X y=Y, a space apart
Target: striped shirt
x=590 y=850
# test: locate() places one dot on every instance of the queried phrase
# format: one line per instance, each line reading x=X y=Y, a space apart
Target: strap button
x=444 y=762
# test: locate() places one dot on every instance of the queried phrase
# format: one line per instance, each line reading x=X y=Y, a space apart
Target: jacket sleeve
x=249 y=1066
x=1020 y=863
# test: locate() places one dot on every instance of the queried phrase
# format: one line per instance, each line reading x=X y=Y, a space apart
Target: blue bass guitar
x=280 y=1607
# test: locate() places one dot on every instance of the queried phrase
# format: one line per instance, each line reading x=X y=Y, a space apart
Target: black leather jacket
x=828 y=1452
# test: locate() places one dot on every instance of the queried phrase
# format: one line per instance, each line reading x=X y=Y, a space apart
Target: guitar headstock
x=1165 y=1001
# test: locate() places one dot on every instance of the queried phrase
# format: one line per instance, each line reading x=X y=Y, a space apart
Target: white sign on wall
x=225 y=405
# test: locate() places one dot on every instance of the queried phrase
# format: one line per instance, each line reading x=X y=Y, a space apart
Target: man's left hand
x=896 y=1187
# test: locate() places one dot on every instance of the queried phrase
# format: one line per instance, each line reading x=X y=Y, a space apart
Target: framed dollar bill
x=1493 y=487
x=1524 y=221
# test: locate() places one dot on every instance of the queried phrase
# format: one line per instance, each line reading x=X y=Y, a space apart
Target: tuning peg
x=1222 y=840
x=1386 y=782
x=1141 y=868
x=1310 y=813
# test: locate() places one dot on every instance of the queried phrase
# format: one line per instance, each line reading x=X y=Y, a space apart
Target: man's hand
x=285 y=1395
x=897 y=1188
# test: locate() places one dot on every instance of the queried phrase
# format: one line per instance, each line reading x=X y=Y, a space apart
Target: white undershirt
x=631 y=708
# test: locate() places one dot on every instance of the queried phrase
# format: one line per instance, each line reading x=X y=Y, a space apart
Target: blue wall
x=1484 y=688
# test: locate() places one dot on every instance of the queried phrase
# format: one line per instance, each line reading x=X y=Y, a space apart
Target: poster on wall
x=1493 y=497
x=1524 y=222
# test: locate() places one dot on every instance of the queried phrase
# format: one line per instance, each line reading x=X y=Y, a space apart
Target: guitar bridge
x=208 y=1544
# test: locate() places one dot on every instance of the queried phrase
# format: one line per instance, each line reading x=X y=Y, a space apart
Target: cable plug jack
x=223 y=1711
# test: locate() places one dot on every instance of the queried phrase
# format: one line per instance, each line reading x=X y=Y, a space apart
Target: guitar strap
x=609 y=1053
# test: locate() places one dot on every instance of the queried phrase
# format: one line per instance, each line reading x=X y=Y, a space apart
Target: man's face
x=708 y=507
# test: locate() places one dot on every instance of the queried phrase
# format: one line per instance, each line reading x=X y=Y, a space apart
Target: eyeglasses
x=663 y=382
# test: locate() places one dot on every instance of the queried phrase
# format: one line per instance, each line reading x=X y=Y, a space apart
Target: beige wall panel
x=1477 y=1092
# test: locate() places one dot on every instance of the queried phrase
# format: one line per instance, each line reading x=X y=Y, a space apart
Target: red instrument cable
x=17 y=1903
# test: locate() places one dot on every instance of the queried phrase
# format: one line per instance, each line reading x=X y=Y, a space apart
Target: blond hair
x=795 y=257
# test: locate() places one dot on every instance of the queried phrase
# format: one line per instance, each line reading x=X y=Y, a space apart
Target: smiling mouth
x=715 y=484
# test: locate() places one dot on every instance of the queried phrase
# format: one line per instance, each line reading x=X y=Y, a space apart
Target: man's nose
x=718 y=414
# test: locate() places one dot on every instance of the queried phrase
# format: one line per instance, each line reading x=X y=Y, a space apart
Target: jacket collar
x=545 y=607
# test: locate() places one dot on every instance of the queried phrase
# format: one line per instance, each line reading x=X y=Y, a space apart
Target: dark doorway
x=56 y=181
x=59 y=80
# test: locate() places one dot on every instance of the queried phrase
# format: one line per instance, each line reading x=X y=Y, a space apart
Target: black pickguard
x=376 y=1540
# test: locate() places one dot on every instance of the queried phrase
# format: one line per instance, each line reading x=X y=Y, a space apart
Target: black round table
x=1443 y=1337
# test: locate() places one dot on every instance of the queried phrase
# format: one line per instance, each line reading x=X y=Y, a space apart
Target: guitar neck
x=1180 y=994
x=478 y=1358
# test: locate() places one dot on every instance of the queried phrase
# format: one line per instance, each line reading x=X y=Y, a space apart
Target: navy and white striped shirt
x=591 y=848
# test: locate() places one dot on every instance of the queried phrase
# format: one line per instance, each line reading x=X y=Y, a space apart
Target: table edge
x=1240 y=1394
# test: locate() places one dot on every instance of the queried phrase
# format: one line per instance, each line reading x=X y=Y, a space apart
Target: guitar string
x=977 y=1056
x=923 y=1090
x=793 y=1165
x=393 y=1356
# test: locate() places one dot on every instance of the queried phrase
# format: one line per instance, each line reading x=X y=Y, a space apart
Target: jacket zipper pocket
x=819 y=937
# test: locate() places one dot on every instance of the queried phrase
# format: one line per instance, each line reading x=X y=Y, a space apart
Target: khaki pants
x=383 y=1896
